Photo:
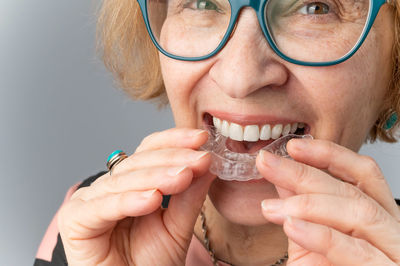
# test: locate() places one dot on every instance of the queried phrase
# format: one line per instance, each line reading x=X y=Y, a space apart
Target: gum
x=229 y=165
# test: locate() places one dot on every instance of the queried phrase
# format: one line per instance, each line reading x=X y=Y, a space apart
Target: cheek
x=176 y=83
x=347 y=97
x=366 y=77
x=370 y=70
x=335 y=90
x=177 y=86
x=180 y=79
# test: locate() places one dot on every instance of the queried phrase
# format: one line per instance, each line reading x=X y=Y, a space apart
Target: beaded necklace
x=214 y=259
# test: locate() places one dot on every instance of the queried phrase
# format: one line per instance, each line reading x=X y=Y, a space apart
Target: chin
x=240 y=202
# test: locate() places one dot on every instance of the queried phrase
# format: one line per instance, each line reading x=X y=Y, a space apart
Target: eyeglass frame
x=259 y=7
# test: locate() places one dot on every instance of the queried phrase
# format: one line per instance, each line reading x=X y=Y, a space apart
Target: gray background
x=60 y=117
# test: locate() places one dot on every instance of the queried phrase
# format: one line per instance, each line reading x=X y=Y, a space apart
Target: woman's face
x=248 y=84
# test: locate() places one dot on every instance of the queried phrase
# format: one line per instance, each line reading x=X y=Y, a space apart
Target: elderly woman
x=256 y=71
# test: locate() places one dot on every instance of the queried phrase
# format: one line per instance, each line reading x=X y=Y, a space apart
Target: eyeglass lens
x=311 y=31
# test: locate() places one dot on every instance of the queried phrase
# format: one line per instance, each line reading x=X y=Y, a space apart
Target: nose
x=247 y=63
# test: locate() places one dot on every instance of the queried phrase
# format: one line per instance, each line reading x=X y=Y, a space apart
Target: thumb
x=300 y=256
x=184 y=208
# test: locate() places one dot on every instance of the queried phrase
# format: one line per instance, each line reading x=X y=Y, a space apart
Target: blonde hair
x=129 y=54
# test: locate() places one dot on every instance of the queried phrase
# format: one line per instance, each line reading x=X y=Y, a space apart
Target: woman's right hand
x=117 y=220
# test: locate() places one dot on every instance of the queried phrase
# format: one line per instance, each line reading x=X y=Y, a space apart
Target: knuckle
x=81 y=194
x=146 y=141
x=64 y=217
x=180 y=155
x=371 y=167
x=349 y=190
x=362 y=249
x=327 y=150
x=60 y=218
x=306 y=203
x=330 y=240
x=112 y=183
x=331 y=147
x=99 y=180
x=176 y=155
x=302 y=173
x=368 y=212
x=77 y=194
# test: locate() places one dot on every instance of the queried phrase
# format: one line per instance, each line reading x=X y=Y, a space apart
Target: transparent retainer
x=229 y=165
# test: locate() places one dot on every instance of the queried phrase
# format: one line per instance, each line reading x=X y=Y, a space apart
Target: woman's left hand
x=336 y=206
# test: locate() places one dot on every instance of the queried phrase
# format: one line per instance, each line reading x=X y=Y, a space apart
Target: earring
x=391 y=121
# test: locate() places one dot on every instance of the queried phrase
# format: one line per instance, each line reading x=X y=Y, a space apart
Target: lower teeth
x=229 y=165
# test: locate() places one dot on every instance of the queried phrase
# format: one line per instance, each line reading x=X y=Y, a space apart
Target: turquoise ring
x=115 y=158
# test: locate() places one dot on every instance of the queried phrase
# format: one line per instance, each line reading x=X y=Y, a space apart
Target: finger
x=338 y=248
x=168 y=180
x=92 y=218
x=356 y=217
x=165 y=157
x=343 y=163
x=174 y=137
x=301 y=178
x=298 y=256
x=184 y=208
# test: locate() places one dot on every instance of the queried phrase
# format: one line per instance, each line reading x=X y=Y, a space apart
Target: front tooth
x=276 y=131
x=225 y=128
x=265 y=133
x=286 y=130
x=251 y=133
x=294 y=128
x=217 y=123
x=236 y=132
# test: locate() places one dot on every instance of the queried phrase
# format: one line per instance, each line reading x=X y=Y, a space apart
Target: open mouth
x=234 y=148
x=251 y=138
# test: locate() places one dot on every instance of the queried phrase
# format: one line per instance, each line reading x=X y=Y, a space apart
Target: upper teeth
x=254 y=132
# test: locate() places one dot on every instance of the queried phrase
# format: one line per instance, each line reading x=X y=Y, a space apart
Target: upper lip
x=251 y=119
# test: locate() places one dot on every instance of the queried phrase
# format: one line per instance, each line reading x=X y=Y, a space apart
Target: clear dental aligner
x=229 y=165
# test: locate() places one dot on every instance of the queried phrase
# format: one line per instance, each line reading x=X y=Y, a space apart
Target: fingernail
x=270 y=212
x=174 y=171
x=269 y=158
x=289 y=219
x=202 y=154
x=272 y=205
x=296 y=223
x=149 y=193
x=198 y=132
x=275 y=217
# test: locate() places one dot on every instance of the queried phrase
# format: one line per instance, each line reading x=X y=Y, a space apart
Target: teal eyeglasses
x=303 y=32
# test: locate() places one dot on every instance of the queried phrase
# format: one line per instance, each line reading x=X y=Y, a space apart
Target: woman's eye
x=203 y=5
x=315 y=8
x=206 y=5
